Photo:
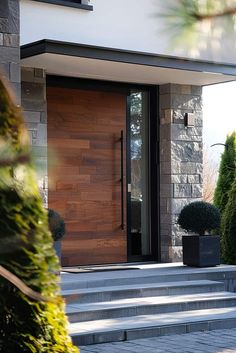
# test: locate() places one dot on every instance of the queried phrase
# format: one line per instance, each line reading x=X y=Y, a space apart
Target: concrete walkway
x=218 y=341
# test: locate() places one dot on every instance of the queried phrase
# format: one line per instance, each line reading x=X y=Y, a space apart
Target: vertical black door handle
x=122 y=177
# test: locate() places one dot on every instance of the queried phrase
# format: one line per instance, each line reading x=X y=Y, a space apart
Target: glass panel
x=139 y=168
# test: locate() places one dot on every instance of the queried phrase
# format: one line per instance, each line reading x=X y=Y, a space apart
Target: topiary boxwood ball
x=56 y=224
x=199 y=217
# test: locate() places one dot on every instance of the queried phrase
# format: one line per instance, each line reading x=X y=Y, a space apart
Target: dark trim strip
x=124 y=56
x=68 y=3
x=90 y=84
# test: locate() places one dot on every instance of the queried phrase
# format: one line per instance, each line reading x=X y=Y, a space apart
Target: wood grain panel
x=84 y=181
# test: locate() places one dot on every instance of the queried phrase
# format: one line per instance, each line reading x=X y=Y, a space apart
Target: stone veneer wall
x=9 y=43
x=180 y=162
x=33 y=94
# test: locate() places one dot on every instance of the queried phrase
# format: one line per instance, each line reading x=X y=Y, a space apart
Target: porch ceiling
x=68 y=59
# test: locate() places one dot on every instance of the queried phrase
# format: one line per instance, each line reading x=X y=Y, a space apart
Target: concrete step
x=101 y=294
x=144 y=326
x=149 y=306
x=155 y=274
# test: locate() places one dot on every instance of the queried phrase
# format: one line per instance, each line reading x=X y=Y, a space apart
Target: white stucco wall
x=124 y=24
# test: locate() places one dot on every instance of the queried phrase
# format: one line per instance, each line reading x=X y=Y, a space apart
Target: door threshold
x=106 y=267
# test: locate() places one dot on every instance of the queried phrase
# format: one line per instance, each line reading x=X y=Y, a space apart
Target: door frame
x=154 y=162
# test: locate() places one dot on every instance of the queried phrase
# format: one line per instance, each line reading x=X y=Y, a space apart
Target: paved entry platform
x=218 y=341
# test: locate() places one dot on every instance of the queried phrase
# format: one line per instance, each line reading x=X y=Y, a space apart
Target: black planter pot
x=201 y=251
x=57 y=247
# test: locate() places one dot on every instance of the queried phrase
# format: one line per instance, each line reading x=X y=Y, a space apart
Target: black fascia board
x=68 y=3
x=124 y=56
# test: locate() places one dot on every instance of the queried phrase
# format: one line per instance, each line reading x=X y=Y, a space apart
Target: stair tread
x=140 y=286
x=146 y=321
x=154 y=270
x=145 y=301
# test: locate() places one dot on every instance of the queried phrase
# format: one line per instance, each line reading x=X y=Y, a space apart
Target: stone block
x=8 y=54
x=5 y=70
x=179 y=179
x=191 y=168
x=15 y=72
x=165 y=101
x=181 y=133
x=178 y=204
x=186 y=151
x=32 y=117
x=13 y=20
x=11 y=40
x=166 y=88
x=196 y=90
x=193 y=179
x=166 y=190
x=27 y=74
x=39 y=73
x=43 y=117
x=186 y=89
x=178 y=116
x=182 y=190
x=167 y=116
x=180 y=101
x=197 y=190
x=166 y=179
x=42 y=135
x=165 y=168
x=1 y=38
x=33 y=92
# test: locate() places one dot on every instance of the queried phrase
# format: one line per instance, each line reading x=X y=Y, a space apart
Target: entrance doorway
x=99 y=180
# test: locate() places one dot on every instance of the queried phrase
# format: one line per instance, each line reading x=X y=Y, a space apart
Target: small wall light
x=189 y=119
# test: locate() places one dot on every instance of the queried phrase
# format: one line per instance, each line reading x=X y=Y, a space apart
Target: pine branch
x=17 y=282
x=203 y=17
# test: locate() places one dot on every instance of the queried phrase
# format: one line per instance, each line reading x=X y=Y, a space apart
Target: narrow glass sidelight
x=138 y=191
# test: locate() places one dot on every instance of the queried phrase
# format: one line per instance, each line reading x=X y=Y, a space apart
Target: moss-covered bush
x=26 y=325
x=199 y=217
x=56 y=225
x=228 y=235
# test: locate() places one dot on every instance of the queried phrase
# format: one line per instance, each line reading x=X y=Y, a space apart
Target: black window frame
x=69 y=3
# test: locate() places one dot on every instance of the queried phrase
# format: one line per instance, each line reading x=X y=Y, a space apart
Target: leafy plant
x=226 y=173
x=228 y=235
x=56 y=225
x=27 y=324
x=199 y=217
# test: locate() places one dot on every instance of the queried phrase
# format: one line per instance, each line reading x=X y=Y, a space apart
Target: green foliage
x=228 y=235
x=226 y=173
x=26 y=326
x=185 y=17
x=199 y=217
x=56 y=225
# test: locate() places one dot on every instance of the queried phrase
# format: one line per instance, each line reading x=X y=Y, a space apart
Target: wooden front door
x=84 y=129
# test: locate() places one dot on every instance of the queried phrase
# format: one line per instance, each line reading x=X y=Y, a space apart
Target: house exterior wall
x=9 y=44
x=33 y=88
x=180 y=146
x=132 y=25
x=180 y=162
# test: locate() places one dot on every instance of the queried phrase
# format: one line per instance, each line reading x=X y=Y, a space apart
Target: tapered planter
x=201 y=251
x=57 y=247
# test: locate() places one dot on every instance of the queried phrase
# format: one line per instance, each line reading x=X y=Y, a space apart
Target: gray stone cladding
x=180 y=162
x=9 y=44
x=33 y=95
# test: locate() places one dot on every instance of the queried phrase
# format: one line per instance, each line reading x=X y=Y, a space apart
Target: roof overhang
x=79 y=60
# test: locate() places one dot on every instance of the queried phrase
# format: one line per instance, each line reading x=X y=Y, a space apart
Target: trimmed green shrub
x=228 y=235
x=199 y=217
x=26 y=325
x=56 y=225
x=226 y=173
